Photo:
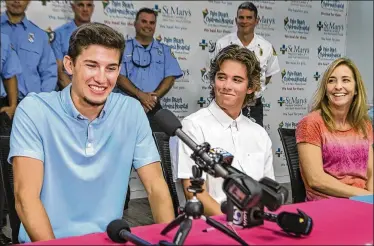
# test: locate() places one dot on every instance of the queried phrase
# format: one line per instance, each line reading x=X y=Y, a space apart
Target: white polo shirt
x=247 y=141
x=263 y=50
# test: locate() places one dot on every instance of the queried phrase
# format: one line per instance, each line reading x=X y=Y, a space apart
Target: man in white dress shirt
x=246 y=21
x=235 y=77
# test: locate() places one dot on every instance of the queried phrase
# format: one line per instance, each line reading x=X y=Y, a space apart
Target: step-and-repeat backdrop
x=307 y=36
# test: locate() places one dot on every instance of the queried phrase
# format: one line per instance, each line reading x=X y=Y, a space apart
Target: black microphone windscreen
x=114 y=228
x=295 y=223
x=167 y=121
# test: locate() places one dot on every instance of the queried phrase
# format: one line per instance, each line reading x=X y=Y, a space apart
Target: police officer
x=149 y=68
x=83 y=10
x=9 y=67
x=39 y=69
x=246 y=21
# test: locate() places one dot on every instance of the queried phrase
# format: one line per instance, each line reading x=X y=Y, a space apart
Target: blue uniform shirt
x=160 y=58
x=60 y=44
x=10 y=65
x=39 y=68
x=86 y=164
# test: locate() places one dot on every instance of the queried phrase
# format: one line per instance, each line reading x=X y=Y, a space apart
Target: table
x=368 y=198
x=337 y=221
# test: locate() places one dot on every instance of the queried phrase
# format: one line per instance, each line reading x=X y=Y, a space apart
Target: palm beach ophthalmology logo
x=293 y=78
x=333 y=5
x=178 y=45
x=175 y=104
x=217 y=18
x=328 y=53
x=296 y=26
x=119 y=9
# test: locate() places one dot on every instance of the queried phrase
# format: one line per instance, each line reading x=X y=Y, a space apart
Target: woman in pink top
x=335 y=140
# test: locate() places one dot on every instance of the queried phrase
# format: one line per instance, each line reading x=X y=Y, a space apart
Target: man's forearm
x=35 y=219
x=126 y=85
x=165 y=86
x=11 y=89
x=161 y=204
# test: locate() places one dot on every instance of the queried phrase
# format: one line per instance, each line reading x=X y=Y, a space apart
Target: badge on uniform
x=261 y=50
x=159 y=51
x=31 y=37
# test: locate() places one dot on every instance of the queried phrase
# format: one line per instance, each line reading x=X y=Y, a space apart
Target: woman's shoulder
x=313 y=117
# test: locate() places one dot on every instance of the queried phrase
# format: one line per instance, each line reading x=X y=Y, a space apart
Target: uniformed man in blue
x=149 y=68
x=39 y=68
x=9 y=68
x=72 y=157
x=83 y=10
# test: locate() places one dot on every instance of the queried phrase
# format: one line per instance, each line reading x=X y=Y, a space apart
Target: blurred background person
x=335 y=140
x=10 y=66
x=83 y=10
x=246 y=21
x=39 y=68
x=235 y=77
x=149 y=68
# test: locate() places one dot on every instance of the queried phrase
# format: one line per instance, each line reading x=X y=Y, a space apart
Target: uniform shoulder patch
x=274 y=52
x=172 y=53
x=51 y=34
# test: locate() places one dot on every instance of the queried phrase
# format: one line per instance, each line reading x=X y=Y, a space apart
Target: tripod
x=194 y=209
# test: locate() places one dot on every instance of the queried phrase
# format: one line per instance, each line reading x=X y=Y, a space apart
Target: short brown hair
x=95 y=34
x=243 y=55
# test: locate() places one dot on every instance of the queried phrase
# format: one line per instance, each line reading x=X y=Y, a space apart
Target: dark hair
x=95 y=33
x=245 y=56
x=145 y=10
x=249 y=6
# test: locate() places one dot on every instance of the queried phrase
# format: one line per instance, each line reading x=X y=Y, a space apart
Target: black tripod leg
x=224 y=229
x=183 y=231
x=173 y=224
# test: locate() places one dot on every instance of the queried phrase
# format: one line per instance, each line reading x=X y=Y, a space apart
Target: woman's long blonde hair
x=357 y=116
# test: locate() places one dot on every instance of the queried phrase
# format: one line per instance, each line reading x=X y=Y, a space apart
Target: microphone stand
x=194 y=209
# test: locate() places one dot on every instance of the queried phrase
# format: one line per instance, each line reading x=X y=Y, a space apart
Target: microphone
x=274 y=195
x=292 y=223
x=119 y=232
x=170 y=124
x=243 y=190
